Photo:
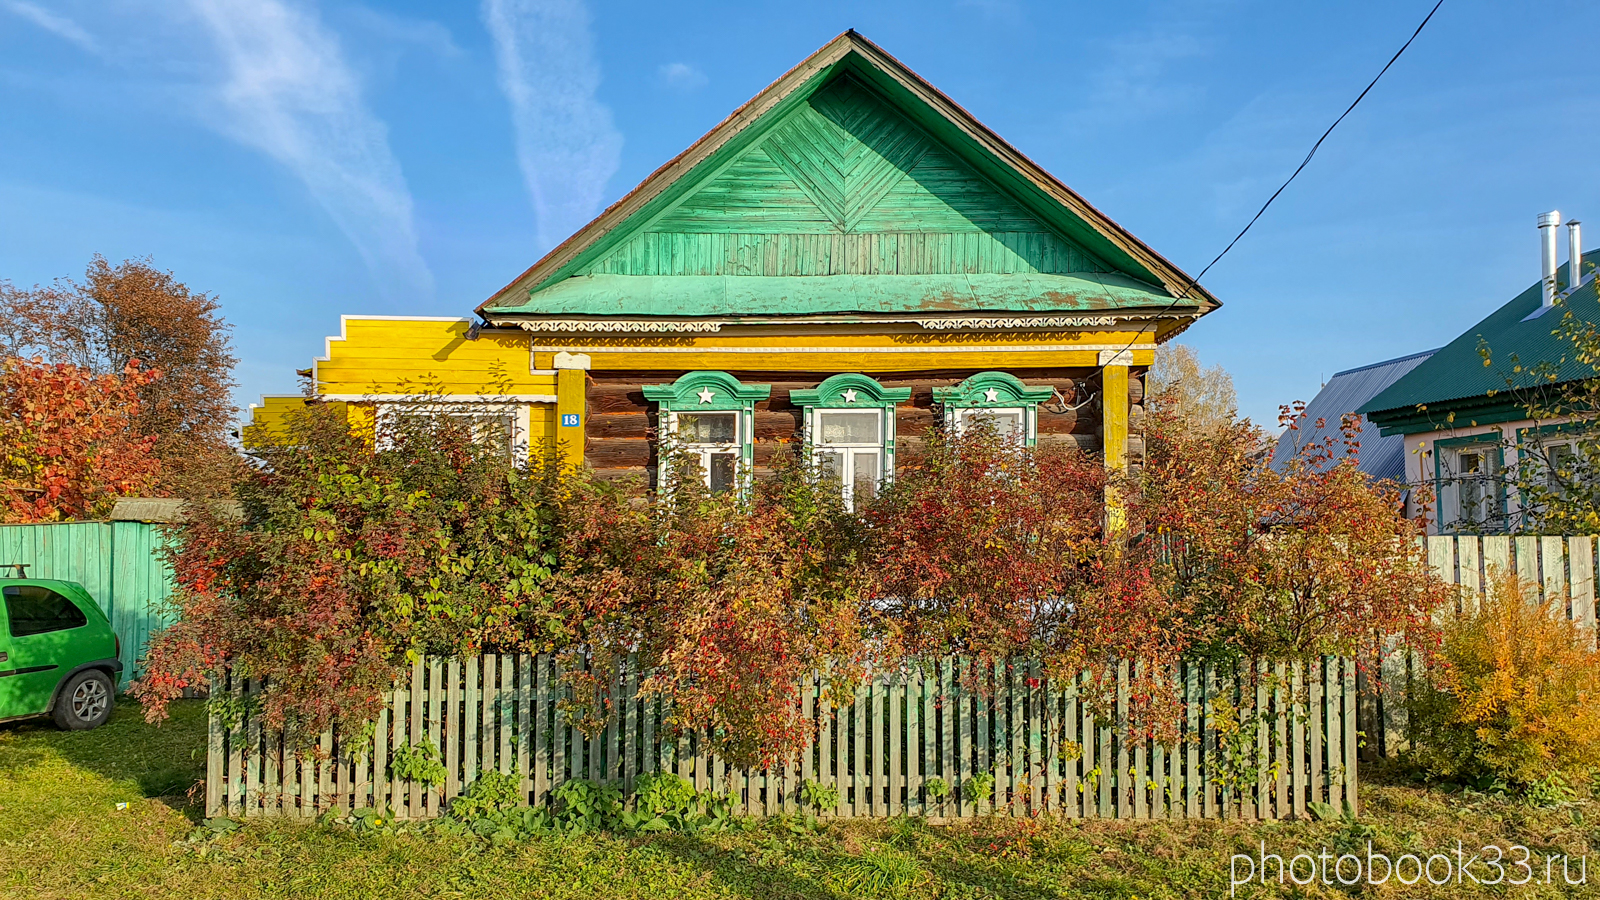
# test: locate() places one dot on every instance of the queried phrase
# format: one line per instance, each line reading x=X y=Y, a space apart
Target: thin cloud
x=681 y=76
x=567 y=146
x=60 y=26
x=289 y=93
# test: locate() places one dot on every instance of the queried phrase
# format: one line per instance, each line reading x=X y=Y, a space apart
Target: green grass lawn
x=62 y=836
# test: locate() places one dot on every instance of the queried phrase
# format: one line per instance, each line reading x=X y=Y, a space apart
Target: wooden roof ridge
x=1173 y=279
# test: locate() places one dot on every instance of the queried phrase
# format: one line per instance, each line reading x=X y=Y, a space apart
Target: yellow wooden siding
x=426 y=356
x=861 y=352
x=267 y=418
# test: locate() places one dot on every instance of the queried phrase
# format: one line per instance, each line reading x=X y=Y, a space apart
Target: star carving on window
x=991 y=395
x=849 y=395
x=705 y=395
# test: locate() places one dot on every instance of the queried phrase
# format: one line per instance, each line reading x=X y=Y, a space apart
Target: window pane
x=850 y=428
x=865 y=475
x=708 y=428
x=1561 y=469
x=830 y=465
x=722 y=468
x=36 y=610
x=1007 y=423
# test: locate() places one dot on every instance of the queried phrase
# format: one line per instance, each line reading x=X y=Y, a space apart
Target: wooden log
x=619 y=425
x=617 y=398
x=619 y=453
x=1088 y=443
x=911 y=421
x=778 y=424
x=1063 y=422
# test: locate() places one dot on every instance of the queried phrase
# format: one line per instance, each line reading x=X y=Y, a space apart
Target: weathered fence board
x=1290 y=740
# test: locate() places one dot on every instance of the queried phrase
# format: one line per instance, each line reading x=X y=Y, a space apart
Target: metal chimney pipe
x=1574 y=255
x=1547 y=235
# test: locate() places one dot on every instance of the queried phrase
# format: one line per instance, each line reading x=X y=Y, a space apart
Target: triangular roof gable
x=1097 y=243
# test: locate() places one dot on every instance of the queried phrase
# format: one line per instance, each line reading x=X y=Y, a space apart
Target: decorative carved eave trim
x=943 y=323
x=622 y=326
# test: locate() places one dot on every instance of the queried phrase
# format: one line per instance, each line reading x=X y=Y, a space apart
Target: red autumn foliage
x=70 y=445
x=355 y=554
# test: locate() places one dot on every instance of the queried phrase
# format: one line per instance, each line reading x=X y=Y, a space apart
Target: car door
x=41 y=627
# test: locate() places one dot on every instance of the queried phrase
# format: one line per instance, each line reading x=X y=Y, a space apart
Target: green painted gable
x=1455 y=379
x=843 y=174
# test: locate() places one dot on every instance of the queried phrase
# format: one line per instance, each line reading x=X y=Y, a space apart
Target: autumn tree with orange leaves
x=70 y=447
x=129 y=312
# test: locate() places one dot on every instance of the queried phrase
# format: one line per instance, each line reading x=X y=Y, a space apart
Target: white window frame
x=1026 y=437
x=1489 y=507
x=519 y=413
x=848 y=451
x=743 y=430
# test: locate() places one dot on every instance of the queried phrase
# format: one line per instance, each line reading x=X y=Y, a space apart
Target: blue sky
x=304 y=159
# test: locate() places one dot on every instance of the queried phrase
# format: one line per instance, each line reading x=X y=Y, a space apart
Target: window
x=713 y=438
x=502 y=426
x=37 y=610
x=1009 y=424
x=711 y=417
x=850 y=450
x=996 y=398
x=1470 y=483
x=849 y=423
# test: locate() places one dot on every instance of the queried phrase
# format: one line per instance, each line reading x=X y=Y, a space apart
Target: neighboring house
x=846 y=260
x=1466 y=423
x=1381 y=457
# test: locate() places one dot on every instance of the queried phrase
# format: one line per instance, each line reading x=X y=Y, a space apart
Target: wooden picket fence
x=1562 y=567
x=903 y=733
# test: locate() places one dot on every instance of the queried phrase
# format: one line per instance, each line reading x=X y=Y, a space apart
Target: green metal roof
x=849 y=185
x=735 y=295
x=1457 y=379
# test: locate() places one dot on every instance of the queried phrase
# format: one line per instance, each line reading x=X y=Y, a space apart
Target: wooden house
x=846 y=260
x=1466 y=419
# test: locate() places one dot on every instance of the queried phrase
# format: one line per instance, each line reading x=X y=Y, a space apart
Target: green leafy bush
x=418 y=762
x=490 y=792
x=585 y=805
x=937 y=788
x=819 y=796
x=978 y=787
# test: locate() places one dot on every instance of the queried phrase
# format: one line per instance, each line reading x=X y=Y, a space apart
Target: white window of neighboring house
x=1471 y=486
x=714 y=439
x=848 y=445
x=500 y=425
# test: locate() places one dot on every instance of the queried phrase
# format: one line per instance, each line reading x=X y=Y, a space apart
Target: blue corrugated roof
x=1345 y=392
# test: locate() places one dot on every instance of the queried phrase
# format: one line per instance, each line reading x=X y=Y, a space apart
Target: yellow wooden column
x=571 y=412
x=1114 y=429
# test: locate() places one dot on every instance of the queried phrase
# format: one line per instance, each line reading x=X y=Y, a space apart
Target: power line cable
x=1195 y=281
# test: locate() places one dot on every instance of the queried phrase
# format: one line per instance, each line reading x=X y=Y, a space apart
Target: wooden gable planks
x=845 y=185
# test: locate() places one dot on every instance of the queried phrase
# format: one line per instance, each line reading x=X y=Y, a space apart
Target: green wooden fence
x=118 y=562
x=1046 y=751
x=1562 y=568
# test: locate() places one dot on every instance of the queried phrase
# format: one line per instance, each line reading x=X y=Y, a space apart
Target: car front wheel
x=84 y=702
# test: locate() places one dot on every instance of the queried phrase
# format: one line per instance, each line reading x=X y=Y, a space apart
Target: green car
x=58 y=654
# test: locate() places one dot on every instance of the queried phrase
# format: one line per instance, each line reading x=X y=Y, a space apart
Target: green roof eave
x=741 y=295
x=1454 y=414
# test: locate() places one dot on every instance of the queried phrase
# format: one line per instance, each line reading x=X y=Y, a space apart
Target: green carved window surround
x=849 y=426
x=711 y=417
x=999 y=398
